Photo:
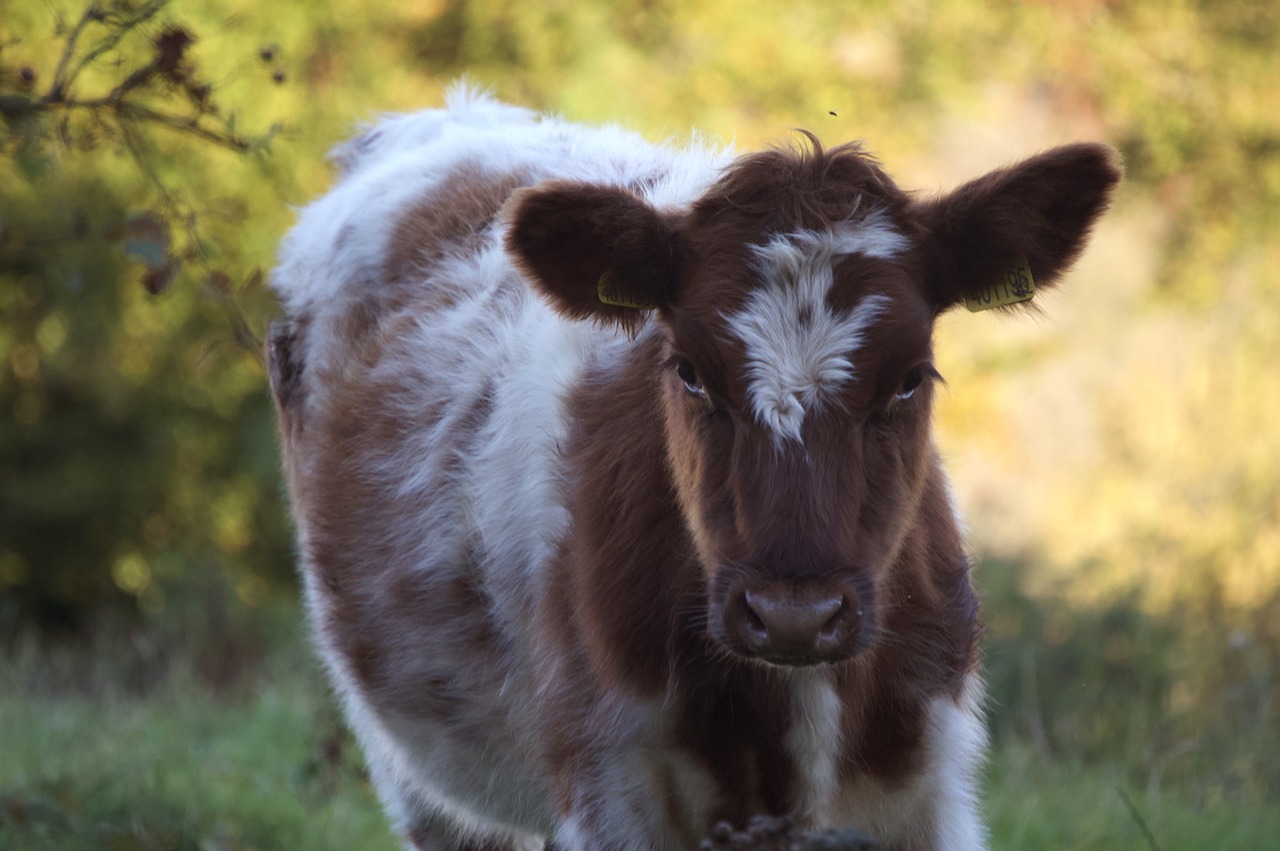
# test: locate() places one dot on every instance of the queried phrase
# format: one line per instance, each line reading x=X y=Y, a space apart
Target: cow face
x=795 y=301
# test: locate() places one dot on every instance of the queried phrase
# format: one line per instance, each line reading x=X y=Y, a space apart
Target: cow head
x=795 y=302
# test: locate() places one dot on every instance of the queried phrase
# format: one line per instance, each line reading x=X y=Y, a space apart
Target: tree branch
x=60 y=82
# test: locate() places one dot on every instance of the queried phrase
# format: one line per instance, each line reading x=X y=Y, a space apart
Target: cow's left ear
x=596 y=252
x=1039 y=211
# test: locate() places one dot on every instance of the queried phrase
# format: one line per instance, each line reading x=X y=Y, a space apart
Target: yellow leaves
x=1132 y=444
x=131 y=573
x=24 y=360
x=1252 y=575
x=51 y=333
x=25 y=363
x=869 y=53
x=232 y=518
x=419 y=11
x=135 y=363
x=1170 y=485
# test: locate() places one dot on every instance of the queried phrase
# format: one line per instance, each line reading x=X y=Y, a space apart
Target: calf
x=618 y=508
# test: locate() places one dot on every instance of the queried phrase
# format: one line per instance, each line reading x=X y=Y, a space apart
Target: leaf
x=218 y=282
x=171 y=49
x=32 y=162
x=146 y=239
x=156 y=281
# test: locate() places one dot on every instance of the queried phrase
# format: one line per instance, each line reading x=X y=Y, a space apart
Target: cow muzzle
x=795 y=623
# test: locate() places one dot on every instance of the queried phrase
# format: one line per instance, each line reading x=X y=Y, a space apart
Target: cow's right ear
x=596 y=252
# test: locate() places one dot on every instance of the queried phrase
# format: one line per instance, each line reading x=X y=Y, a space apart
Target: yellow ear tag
x=1016 y=285
x=605 y=292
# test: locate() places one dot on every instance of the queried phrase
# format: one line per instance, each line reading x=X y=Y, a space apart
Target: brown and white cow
x=618 y=508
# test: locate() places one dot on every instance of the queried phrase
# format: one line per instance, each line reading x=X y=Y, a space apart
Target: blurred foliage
x=138 y=452
x=1109 y=683
x=1120 y=464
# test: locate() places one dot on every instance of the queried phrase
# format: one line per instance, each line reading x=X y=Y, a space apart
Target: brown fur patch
x=807 y=187
x=452 y=222
x=284 y=367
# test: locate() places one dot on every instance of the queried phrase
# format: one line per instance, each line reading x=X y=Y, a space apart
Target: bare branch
x=121 y=25
x=188 y=126
x=183 y=104
x=126 y=109
x=60 y=81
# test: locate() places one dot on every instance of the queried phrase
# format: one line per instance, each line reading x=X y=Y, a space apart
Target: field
x=1117 y=455
x=100 y=756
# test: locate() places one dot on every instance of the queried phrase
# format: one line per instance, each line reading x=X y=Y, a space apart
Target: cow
x=617 y=504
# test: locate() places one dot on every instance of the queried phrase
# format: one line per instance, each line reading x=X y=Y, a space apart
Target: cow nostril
x=789 y=617
x=794 y=624
x=834 y=624
x=755 y=630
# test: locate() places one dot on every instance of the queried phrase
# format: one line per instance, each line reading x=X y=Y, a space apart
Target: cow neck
x=628 y=562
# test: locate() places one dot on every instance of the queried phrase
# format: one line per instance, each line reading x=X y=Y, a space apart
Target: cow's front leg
x=611 y=804
x=634 y=799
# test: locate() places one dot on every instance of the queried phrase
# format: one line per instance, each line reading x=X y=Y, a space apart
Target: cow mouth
x=799 y=658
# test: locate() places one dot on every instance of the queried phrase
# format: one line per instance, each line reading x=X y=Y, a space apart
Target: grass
x=1034 y=802
x=262 y=762
x=263 y=766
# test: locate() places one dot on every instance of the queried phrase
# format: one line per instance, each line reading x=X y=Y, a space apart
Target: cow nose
x=794 y=624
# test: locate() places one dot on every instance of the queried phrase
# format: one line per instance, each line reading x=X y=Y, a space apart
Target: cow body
x=616 y=502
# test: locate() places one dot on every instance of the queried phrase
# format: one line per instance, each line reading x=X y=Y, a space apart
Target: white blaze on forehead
x=798 y=348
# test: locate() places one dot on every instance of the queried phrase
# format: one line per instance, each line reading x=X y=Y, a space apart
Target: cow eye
x=909 y=384
x=689 y=376
x=913 y=379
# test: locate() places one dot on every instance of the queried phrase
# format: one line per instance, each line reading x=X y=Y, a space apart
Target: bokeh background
x=1118 y=457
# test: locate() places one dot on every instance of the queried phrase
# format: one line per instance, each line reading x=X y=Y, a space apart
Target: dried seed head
x=171 y=48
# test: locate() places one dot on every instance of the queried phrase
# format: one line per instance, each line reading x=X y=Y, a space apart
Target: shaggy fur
x=618 y=509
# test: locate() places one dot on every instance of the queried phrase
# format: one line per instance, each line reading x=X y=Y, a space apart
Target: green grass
x=1034 y=802
x=263 y=763
x=185 y=768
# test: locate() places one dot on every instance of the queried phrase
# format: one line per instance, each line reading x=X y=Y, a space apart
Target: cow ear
x=596 y=252
x=1029 y=221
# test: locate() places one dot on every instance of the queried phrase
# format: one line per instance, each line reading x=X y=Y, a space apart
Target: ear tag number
x=608 y=295
x=1016 y=285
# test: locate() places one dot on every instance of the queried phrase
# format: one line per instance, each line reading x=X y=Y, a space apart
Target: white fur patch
x=938 y=810
x=813 y=743
x=797 y=348
x=334 y=257
x=957 y=741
